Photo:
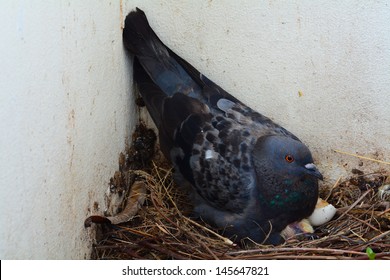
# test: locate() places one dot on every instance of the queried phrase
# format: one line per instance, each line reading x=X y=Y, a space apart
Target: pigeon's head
x=285 y=172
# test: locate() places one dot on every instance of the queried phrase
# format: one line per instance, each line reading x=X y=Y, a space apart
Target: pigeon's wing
x=221 y=164
x=178 y=117
x=210 y=150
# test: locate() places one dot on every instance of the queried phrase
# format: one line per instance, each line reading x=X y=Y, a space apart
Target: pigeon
x=249 y=177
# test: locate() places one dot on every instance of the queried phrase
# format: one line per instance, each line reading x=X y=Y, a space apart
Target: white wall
x=66 y=107
x=335 y=53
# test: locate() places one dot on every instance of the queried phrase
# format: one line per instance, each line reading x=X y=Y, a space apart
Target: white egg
x=323 y=213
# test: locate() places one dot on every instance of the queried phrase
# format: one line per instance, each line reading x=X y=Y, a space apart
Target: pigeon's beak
x=312 y=170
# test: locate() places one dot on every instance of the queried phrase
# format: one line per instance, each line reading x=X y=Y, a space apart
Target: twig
x=138 y=232
x=224 y=239
x=362 y=157
x=354 y=204
x=384 y=212
x=380 y=236
x=161 y=249
x=202 y=244
x=331 y=190
x=364 y=222
x=277 y=249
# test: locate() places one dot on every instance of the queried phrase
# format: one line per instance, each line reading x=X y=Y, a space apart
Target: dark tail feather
x=151 y=94
x=139 y=38
x=168 y=113
x=163 y=69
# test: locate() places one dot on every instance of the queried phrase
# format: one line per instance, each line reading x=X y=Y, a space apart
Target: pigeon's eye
x=289 y=158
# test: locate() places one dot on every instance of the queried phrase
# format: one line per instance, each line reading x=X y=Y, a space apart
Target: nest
x=162 y=229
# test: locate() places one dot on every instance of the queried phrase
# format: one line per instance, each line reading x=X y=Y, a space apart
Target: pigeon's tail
x=152 y=95
x=140 y=39
x=156 y=59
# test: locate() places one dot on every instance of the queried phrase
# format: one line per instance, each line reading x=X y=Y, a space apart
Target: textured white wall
x=65 y=103
x=319 y=68
x=65 y=108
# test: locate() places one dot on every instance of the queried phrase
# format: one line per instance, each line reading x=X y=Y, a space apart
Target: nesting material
x=163 y=229
x=384 y=192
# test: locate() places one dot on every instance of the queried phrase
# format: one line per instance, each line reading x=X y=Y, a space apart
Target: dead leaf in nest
x=126 y=193
x=133 y=203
